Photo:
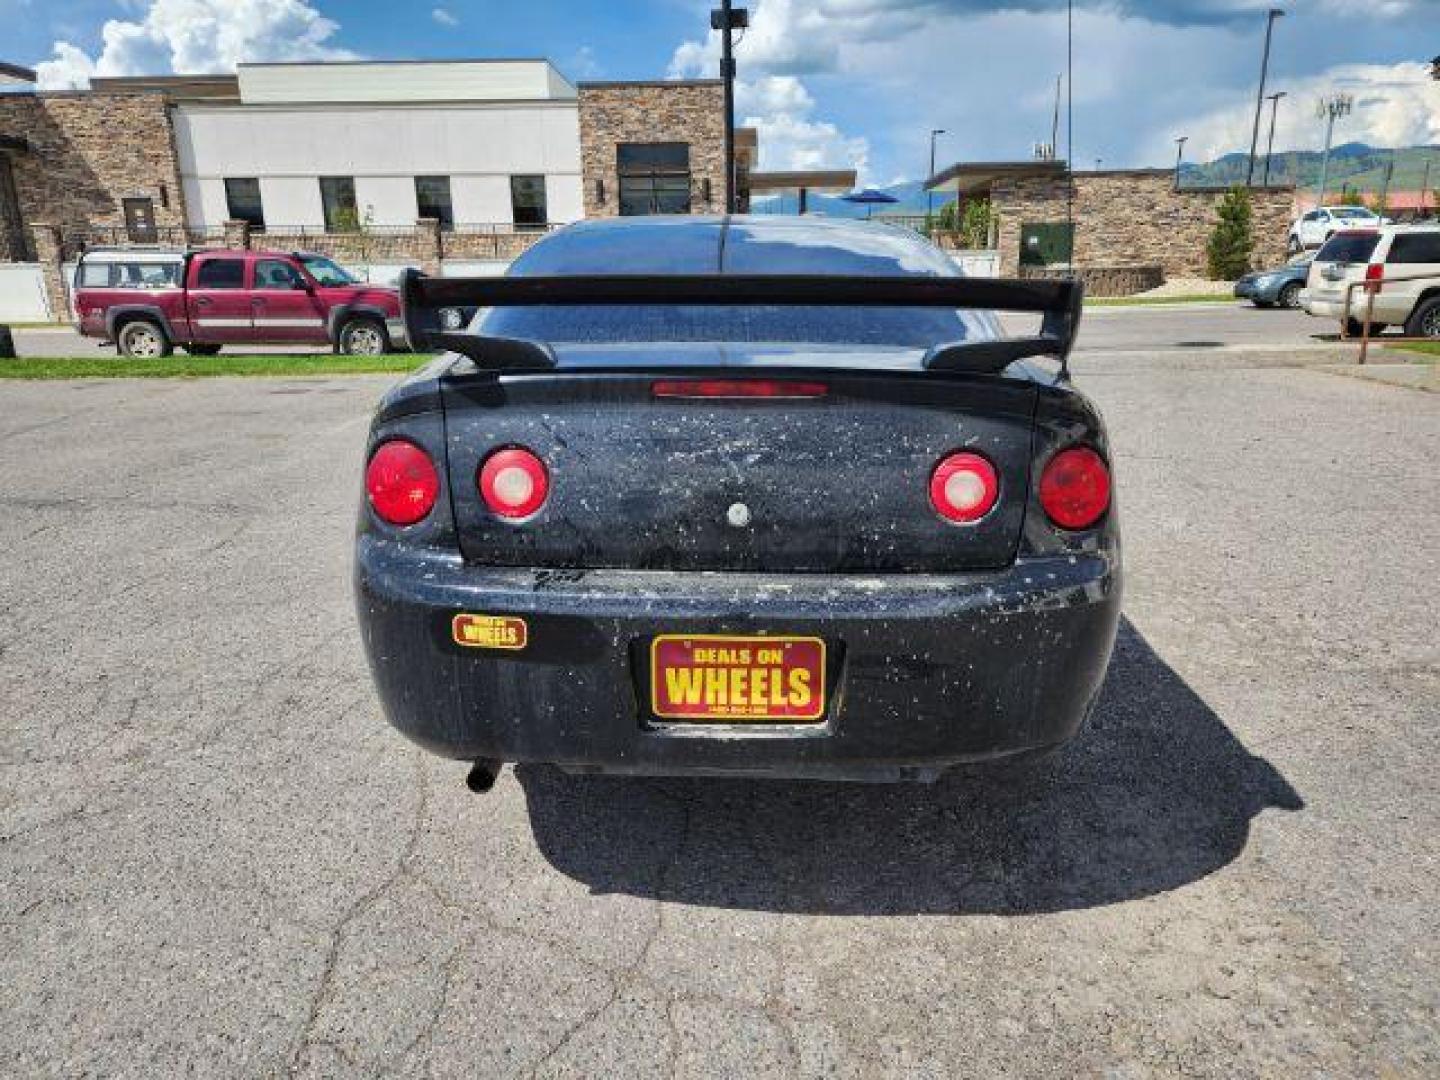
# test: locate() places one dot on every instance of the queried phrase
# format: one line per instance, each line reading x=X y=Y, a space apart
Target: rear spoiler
x=422 y=297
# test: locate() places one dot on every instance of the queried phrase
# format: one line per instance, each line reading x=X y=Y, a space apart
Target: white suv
x=1314 y=228
x=1403 y=259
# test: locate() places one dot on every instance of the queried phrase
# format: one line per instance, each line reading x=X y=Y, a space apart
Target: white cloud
x=1146 y=71
x=443 y=17
x=1395 y=105
x=784 y=41
x=193 y=36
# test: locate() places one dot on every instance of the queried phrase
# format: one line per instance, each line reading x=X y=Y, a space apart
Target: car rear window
x=1349 y=248
x=913 y=327
x=128 y=275
x=1412 y=248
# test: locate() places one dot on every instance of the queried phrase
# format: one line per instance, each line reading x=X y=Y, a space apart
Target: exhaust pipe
x=483 y=772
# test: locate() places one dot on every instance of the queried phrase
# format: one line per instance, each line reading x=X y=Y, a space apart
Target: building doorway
x=140 y=221
x=12 y=225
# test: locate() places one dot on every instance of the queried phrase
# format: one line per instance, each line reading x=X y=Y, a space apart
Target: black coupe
x=755 y=496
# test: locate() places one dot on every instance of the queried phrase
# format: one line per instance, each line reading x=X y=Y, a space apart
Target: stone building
x=389 y=163
x=1131 y=226
x=652 y=147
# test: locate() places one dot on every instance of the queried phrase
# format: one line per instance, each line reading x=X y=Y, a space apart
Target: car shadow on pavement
x=1153 y=794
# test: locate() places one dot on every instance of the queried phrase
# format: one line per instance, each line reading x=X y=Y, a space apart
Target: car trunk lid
x=832 y=483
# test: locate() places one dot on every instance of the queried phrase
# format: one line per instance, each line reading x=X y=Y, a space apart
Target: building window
x=527 y=201
x=654 y=178
x=337 y=197
x=432 y=196
x=242 y=201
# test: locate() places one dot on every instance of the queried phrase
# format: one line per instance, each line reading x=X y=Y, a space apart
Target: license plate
x=737 y=679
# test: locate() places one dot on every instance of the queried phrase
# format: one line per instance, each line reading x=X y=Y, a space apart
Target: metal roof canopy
x=809 y=180
x=980 y=176
x=15 y=75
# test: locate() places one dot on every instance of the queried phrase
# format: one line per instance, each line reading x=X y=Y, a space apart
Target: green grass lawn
x=1427 y=350
x=119 y=367
x=1146 y=301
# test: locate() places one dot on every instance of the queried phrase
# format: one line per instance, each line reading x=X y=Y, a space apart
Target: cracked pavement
x=218 y=859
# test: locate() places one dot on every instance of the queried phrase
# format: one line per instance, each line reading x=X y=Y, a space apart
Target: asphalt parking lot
x=215 y=856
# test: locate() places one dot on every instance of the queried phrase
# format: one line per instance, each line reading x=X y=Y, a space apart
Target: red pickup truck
x=148 y=302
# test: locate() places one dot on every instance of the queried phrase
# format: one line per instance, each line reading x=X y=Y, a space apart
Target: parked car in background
x=1313 y=229
x=150 y=302
x=1282 y=286
x=1404 y=263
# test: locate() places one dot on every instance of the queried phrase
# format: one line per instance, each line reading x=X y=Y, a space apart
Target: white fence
x=977 y=263
x=22 y=294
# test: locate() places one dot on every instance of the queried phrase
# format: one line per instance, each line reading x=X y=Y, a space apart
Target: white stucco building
x=489 y=142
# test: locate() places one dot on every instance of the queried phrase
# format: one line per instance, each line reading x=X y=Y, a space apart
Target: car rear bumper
x=925 y=671
x=1324 y=309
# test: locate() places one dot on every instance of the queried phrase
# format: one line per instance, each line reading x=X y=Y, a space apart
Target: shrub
x=1233 y=239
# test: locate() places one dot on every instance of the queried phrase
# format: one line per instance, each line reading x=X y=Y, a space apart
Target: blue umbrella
x=869 y=198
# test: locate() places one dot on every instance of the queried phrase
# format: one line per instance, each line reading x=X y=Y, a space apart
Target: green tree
x=975 y=223
x=1233 y=239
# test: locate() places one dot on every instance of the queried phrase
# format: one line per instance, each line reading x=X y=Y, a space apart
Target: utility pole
x=1330 y=109
x=1179 y=157
x=930 y=195
x=1270 y=17
x=727 y=20
x=1270 y=146
x=1055 y=123
x=1070 y=126
x=1385 y=189
x=1425 y=184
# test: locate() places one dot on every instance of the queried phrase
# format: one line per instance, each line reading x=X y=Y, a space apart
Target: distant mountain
x=911 y=196
x=1354 y=165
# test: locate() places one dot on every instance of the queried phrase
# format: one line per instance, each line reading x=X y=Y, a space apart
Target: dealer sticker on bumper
x=490 y=631
x=737 y=679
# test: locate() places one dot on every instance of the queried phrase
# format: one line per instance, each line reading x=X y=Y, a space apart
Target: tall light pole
x=727 y=20
x=1270 y=146
x=1270 y=17
x=930 y=195
x=1179 y=157
x=1330 y=109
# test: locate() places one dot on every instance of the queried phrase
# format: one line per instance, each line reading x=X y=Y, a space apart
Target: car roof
x=738 y=244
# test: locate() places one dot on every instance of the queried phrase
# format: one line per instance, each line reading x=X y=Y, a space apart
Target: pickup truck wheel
x=1426 y=320
x=143 y=340
x=202 y=350
x=1290 y=295
x=364 y=337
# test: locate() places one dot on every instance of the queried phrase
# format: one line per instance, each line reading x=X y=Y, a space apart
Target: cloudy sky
x=843 y=82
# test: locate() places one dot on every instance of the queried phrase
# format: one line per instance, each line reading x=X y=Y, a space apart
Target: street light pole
x=1330 y=109
x=727 y=20
x=930 y=195
x=1270 y=146
x=1179 y=157
x=1270 y=17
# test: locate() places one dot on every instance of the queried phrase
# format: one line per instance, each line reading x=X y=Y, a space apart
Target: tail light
x=514 y=483
x=964 y=487
x=1075 y=488
x=401 y=482
x=743 y=389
